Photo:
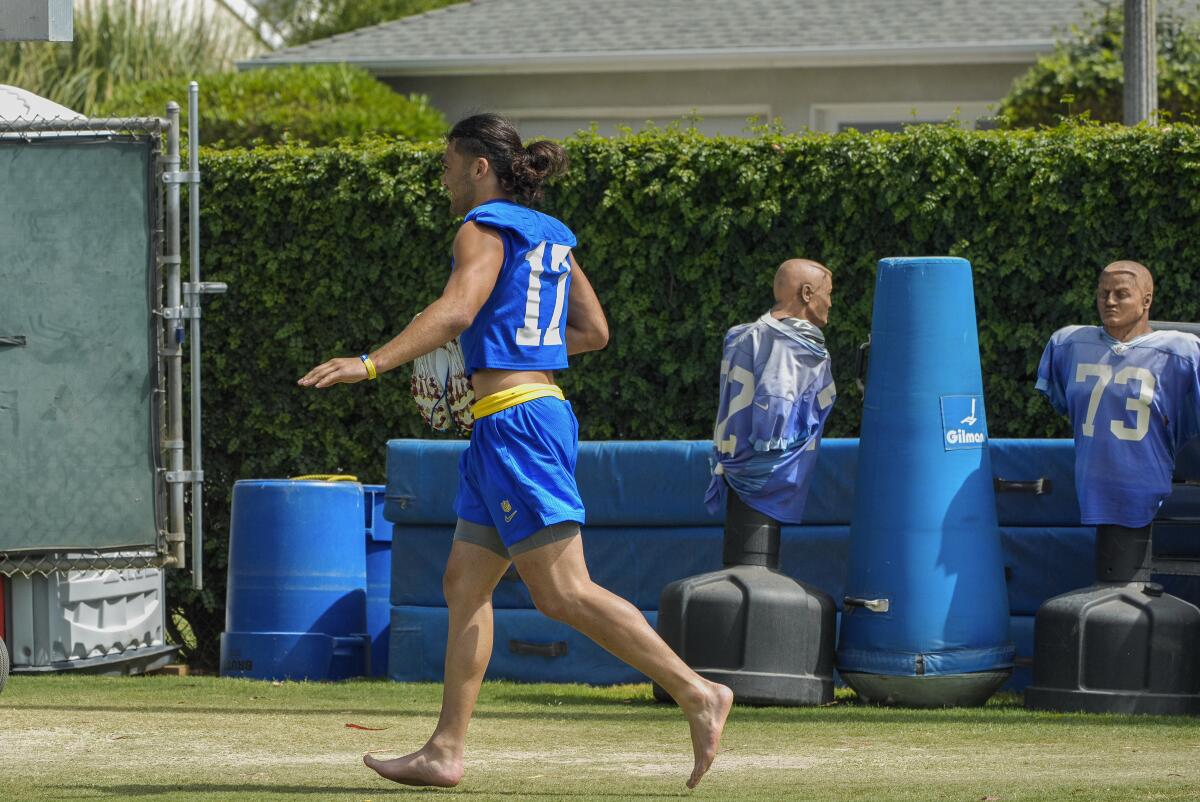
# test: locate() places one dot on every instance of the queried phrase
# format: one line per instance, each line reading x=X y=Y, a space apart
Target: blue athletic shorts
x=518 y=473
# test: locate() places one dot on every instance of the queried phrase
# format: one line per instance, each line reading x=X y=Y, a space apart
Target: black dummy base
x=1121 y=645
x=749 y=626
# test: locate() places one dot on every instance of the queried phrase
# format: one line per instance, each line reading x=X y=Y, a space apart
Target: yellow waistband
x=504 y=399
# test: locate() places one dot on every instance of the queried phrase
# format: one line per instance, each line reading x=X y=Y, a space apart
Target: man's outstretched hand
x=344 y=370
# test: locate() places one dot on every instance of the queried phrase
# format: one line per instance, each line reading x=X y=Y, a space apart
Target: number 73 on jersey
x=1139 y=404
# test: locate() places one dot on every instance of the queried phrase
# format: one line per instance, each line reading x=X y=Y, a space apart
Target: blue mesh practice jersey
x=1131 y=405
x=523 y=324
x=776 y=392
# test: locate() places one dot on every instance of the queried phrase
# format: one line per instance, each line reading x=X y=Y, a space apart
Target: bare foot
x=419 y=768
x=706 y=723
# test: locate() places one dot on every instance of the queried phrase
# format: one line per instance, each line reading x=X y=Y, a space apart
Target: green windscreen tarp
x=76 y=447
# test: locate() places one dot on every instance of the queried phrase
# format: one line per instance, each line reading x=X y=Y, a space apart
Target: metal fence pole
x=173 y=347
x=1141 y=66
x=194 y=266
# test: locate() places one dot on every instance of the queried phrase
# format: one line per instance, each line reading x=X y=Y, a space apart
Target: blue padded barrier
x=1025 y=461
x=646 y=483
x=422 y=480
x=1020 y=632
x=662 y=483
x=1045 y=554
x=1176 y=538
x=637 y=564
x=831 y=495
x=633 y=563
x=418 y=650
x=527 y=647
x=1182 y=504
x=1043 y=561
x=623 y=483
x=1187 y=461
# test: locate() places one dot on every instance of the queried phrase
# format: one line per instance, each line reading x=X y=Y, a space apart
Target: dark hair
x=520 y=169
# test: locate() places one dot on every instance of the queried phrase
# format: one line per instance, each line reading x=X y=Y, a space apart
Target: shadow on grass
x=239 y=790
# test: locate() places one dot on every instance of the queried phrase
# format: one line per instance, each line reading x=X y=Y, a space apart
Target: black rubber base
x=1076 y=701
x=1116 y=648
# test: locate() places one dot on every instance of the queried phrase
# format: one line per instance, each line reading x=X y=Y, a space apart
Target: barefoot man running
x=520 y=305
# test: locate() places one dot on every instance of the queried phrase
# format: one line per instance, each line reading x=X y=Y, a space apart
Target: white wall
x=820 y=99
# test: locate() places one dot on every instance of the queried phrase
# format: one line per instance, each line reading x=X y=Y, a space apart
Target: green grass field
x=193 y=738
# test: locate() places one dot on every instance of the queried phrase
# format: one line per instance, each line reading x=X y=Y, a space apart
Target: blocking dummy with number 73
x=1132 y=405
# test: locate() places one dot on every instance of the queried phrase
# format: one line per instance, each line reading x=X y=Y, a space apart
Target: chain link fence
x=31 y=129
x=28 y=565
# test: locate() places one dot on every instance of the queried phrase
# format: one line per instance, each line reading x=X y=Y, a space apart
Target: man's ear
x=480 y=168
x=806 y=293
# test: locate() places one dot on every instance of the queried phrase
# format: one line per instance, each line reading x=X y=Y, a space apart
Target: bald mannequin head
x=803 y=289
x=1123 y=298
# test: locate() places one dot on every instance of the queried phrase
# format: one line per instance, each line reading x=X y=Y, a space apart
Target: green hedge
x=314 y=105
x=329 y=252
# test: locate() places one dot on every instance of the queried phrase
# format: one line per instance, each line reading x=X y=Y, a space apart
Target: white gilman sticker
x=963 y=422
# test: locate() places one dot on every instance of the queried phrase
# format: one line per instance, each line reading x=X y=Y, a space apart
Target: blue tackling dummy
x=776 y=393
x=1132 y=405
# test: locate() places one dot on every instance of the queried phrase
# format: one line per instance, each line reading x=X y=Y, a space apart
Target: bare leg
x=471 y=575
x=558 y=579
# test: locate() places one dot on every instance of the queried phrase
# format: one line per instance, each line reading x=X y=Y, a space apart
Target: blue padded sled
x=526 y=647
x=1020 y=630
x=1044 y=561
x=636 y=564
x=1045 y=552
x=419 y=650
x=1034 y=482
x=623 y=483
x=662 y=483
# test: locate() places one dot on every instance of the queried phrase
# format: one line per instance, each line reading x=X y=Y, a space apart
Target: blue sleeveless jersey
x=776 y=393
x=1132 y=405
x=523 y=324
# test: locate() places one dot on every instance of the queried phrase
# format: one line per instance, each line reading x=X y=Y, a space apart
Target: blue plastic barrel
x=379 y=577
x=925 y=618
x=296 y=597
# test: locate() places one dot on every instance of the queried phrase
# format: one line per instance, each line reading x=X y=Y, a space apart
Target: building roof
x=21 y=104
x=495 y=36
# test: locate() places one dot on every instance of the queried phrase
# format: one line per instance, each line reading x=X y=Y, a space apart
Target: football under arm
x=478 y=257
x=587 y=328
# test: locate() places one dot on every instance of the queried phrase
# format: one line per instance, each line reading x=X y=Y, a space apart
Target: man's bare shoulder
x=472 y=232
x=473 y=241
